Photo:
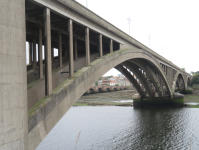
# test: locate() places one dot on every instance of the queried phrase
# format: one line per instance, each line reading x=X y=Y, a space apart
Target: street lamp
x=129 y=19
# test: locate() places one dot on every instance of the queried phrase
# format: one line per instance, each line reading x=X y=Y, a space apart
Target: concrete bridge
x=105 y=88
x=34 y=97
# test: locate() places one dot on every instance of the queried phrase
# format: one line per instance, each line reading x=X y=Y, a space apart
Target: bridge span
x=34 y=97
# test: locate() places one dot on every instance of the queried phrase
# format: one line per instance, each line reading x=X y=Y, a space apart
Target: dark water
x=107 y=128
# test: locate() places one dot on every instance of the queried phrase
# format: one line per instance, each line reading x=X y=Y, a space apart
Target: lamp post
x=129 y=19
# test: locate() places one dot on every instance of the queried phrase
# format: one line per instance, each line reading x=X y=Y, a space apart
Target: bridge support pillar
x=40 y=58
x=100 y=46
x=30 y=53
x=75 y=45
x=70 y=28
x=111 y=46
x=87 y=43
x=48 y=52
x=13 y=80
x=60 y=50
x=34 y=53
x=52 y=51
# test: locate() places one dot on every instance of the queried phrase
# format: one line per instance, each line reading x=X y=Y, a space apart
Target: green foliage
x=107 y=85
x=96 y=83
x=195 y=80
x=117 y=85
x=183 y=69
x=128 y=86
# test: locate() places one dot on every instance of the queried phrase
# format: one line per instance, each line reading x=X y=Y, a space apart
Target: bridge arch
x=188 y=81
x=66 y=94
x=179 y=81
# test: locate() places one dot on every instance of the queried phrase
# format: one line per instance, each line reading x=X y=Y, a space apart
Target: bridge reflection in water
x=125 y=128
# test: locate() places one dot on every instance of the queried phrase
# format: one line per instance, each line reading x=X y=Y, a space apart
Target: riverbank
x=124 y=98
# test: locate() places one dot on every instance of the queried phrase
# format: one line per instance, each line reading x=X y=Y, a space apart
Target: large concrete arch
x=43 y=117
x=176 y=78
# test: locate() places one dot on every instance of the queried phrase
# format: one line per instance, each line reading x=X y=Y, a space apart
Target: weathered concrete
x=71 y=90
x=37 y=92
x=13 y=83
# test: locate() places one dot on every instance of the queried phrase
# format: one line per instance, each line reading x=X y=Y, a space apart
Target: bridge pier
x=48 y=52
x=13 y=80
x=100 y=45
x=70 y=31
x=87 y=43
x=40 y=54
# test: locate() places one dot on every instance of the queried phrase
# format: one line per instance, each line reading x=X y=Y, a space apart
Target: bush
x=117 y=85
x=195 y=80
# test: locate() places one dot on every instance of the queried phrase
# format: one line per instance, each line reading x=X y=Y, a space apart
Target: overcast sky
x=173 y=26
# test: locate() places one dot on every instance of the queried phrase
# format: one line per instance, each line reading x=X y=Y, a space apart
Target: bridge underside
x=88 y=46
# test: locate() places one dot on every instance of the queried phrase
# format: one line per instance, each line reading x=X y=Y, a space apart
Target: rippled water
x=125 y=128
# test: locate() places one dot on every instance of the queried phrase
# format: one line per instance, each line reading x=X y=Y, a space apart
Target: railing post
x=70 y=31
x=48 y=62
x=40 y=58
x=87 y=43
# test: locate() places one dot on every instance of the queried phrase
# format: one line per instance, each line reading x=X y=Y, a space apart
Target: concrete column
x=48 y=62
x=70 y=31
x=60 y=50
x=52 y=52
x=76 y=54
x=30 y=53
x=40 y=60
x=87 y=43
x=34 y=53
x=13 y=76
x=100 y=46
x=111 y=46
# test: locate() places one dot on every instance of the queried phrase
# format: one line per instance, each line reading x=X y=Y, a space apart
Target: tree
x=117 y=85
x=96 y=83
x=195 y=79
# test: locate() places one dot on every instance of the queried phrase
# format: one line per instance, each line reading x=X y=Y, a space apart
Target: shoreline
x=106 y=99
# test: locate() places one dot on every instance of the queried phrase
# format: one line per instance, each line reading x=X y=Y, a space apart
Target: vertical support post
x=34 y=53
x=76 y=54
x=40 y=60
x=70 y=31
x=48 y=64
x=100 y=46
x=13 y=76
x=60 y=50
x=52 y=52
x=30 y=53
x=111 y=46
x=87 y=43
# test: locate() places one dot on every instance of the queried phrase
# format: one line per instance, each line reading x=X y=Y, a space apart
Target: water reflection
x=125 y=128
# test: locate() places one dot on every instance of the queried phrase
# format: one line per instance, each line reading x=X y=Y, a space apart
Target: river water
x=111 y=127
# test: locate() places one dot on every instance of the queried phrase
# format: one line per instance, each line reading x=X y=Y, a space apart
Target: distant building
x=105 y=82
x=113 y=83
x=113 y=78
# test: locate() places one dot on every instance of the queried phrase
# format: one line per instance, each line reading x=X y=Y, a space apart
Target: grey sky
x=173 y=26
